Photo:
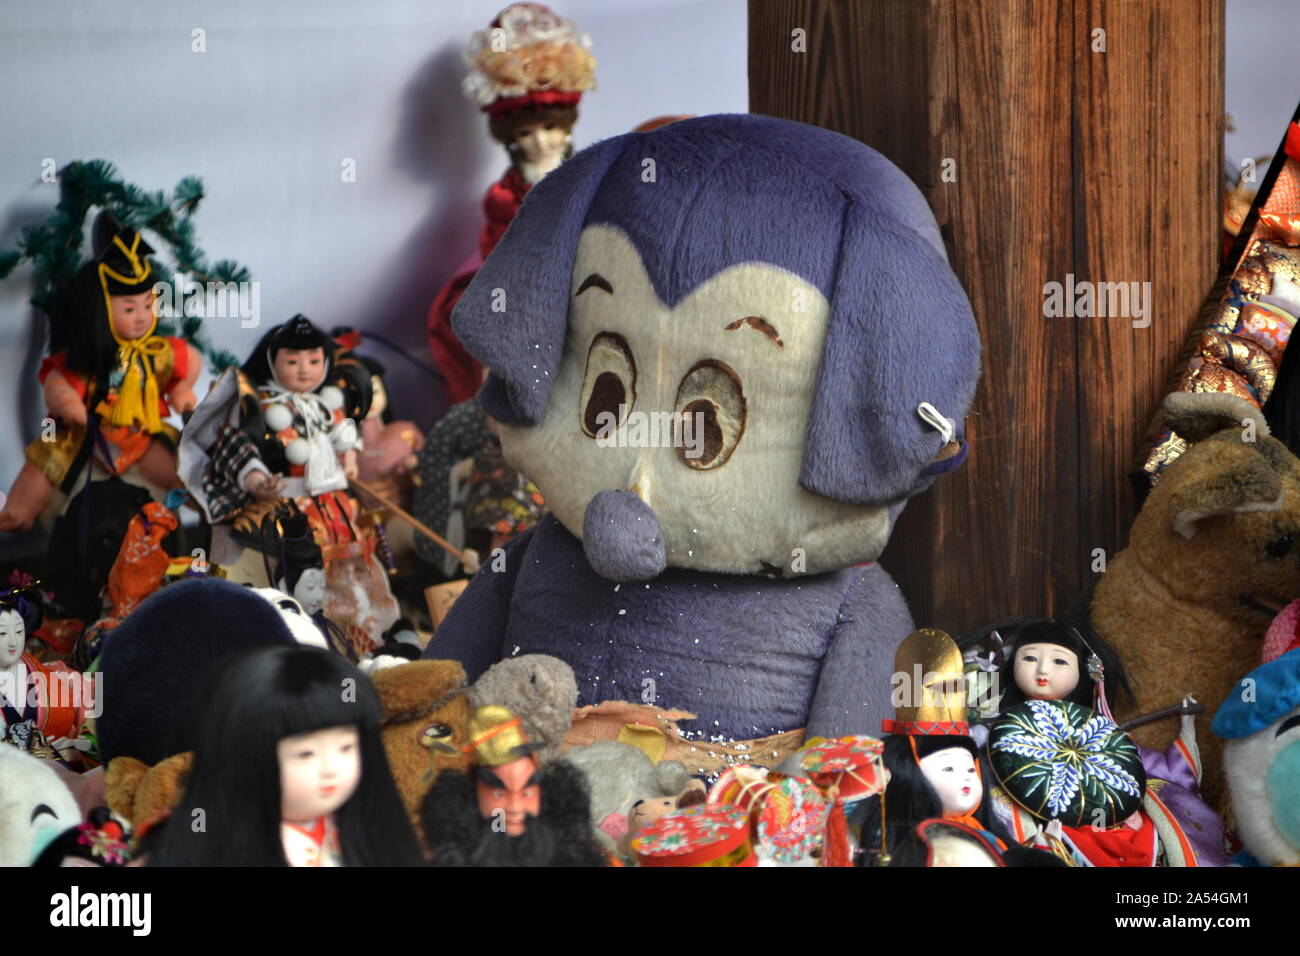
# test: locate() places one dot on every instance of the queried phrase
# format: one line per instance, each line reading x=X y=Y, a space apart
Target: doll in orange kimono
x=42 y=705
x=109 y=382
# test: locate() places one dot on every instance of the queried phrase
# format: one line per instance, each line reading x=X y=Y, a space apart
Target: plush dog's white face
x=1263 y=773
x=700 y=409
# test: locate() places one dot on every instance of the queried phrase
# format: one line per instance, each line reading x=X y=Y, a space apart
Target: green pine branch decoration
x=54 y=248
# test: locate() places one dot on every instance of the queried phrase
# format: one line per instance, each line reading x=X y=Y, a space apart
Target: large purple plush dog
x=727 y=352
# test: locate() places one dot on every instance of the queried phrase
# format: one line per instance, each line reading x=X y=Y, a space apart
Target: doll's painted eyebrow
x=760 y=324
x=1287 y=725
x=594 y=281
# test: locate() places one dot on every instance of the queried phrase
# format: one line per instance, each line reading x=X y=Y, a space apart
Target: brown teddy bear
x=142 y=795
x=425 y=725
x=1212 y=556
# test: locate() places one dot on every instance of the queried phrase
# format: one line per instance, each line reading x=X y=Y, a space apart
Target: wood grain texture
x=1068 y=161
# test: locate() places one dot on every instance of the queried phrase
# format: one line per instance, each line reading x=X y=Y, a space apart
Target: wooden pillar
x=1081 y=138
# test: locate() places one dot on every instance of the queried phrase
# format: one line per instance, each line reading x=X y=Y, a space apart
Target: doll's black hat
x=123 y=265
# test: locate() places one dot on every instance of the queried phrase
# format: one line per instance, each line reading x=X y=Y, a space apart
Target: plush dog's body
x=745 y=654
x=727 y=352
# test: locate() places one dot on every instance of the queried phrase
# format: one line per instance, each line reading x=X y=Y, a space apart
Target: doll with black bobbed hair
x=1056 y=659
x=934 y=765
x=289 y=770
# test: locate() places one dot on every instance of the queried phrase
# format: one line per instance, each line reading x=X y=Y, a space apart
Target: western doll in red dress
x=528 y=71
x=109 y=376
x=289 y=770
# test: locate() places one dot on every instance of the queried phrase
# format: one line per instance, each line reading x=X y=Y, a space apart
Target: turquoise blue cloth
x=1260 y=698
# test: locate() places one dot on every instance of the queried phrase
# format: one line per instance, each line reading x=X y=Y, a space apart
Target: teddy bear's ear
x=1226 y=488
x=513 y=315
x=1195 y=416
x=121 y=780
x=672 y=777
x=160 y=789
x=411 y=689
x=899 y=367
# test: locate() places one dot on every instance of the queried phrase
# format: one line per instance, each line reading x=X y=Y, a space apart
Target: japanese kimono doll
x=109 y=383
x=277 y=437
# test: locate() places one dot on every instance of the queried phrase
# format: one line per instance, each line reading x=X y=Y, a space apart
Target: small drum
x=703 y=835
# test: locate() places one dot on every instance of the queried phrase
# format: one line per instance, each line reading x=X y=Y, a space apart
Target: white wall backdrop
x=266 y=116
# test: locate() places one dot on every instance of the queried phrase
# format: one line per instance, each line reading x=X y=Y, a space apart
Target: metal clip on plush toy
x=727 y=352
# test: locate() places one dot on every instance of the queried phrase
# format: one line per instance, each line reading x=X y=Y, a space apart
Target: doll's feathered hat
x=529 y=57
x=929 y=687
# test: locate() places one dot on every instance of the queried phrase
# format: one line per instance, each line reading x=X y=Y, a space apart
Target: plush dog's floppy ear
x=899 y=369
x=514 y=314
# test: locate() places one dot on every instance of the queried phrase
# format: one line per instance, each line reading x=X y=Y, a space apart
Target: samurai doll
x=109 y=383
x=277 y=438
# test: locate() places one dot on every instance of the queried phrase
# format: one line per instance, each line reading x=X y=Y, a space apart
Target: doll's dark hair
x=298 y=333
x=1069 y=632
x=909 y=798
x=79 y=326
x=242 y=712
x=26 y=604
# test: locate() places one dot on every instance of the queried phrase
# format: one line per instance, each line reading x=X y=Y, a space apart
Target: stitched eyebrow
x=1287 y=725
x=594 y=281
x=760 y=324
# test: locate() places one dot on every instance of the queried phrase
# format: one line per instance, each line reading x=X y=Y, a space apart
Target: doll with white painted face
x=289 y=770
x=42 y=705
x=934 y=765
x=731 y=350
x=528 y=72
x=1055 y=660
x=1065 y=660
x=278 y=438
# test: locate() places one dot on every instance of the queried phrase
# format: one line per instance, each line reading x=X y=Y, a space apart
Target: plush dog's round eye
x=1279 y=547
x=608 y=386
x=710 y=415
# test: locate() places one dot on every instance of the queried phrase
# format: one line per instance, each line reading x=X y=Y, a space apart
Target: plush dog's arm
x=474 y=630
x=853 y=689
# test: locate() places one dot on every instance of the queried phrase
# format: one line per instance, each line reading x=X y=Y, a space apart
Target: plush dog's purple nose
x=621 y=536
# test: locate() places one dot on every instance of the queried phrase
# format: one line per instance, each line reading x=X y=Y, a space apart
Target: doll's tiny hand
x=262 y=485
x=350 y=464
x=470 y=561
x=183 y=400
x=1054 y=829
